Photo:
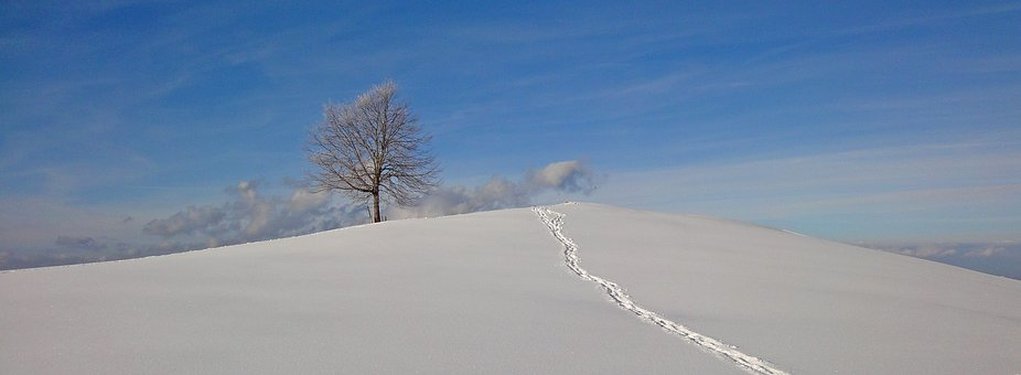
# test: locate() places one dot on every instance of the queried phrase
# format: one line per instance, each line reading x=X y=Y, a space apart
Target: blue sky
x=872 y=122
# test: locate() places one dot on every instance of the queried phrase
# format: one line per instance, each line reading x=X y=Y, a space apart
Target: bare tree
x=372 y=149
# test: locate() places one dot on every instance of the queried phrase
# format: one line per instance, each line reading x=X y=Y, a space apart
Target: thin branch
x=372 y=147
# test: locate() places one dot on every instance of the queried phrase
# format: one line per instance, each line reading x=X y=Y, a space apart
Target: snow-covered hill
x=575 y=288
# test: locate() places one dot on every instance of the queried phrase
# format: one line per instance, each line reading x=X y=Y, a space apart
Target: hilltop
x=572 y=288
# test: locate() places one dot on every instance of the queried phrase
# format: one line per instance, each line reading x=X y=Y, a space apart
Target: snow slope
x=496 y=292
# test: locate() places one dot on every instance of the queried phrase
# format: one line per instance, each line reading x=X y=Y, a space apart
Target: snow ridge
x=555 y=221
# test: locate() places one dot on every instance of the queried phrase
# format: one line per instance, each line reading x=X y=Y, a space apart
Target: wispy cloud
x=823 y=117
x=901 y=188
x=905 y=21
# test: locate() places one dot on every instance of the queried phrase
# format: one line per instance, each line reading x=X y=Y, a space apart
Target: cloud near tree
x=250 y=214
x=571 y=176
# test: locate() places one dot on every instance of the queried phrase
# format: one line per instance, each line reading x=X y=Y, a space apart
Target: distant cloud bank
x=251 y=215
x=996 y=258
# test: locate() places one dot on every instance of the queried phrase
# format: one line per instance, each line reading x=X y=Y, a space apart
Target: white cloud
x=187 y=222
x=1001 y=258
x=570 y=176
x=249 y=216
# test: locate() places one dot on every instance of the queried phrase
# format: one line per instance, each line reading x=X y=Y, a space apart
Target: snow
x=807 y=305
x=555 y=221
x=495 y=292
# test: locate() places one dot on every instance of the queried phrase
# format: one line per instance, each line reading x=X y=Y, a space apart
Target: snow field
x=494 y=293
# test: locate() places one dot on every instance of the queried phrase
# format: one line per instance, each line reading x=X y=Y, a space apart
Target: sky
x=133 y=128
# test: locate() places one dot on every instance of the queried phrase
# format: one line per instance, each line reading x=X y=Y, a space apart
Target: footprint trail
x=555 y=221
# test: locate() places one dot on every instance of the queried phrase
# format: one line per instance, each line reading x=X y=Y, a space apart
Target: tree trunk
x=375 y=208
